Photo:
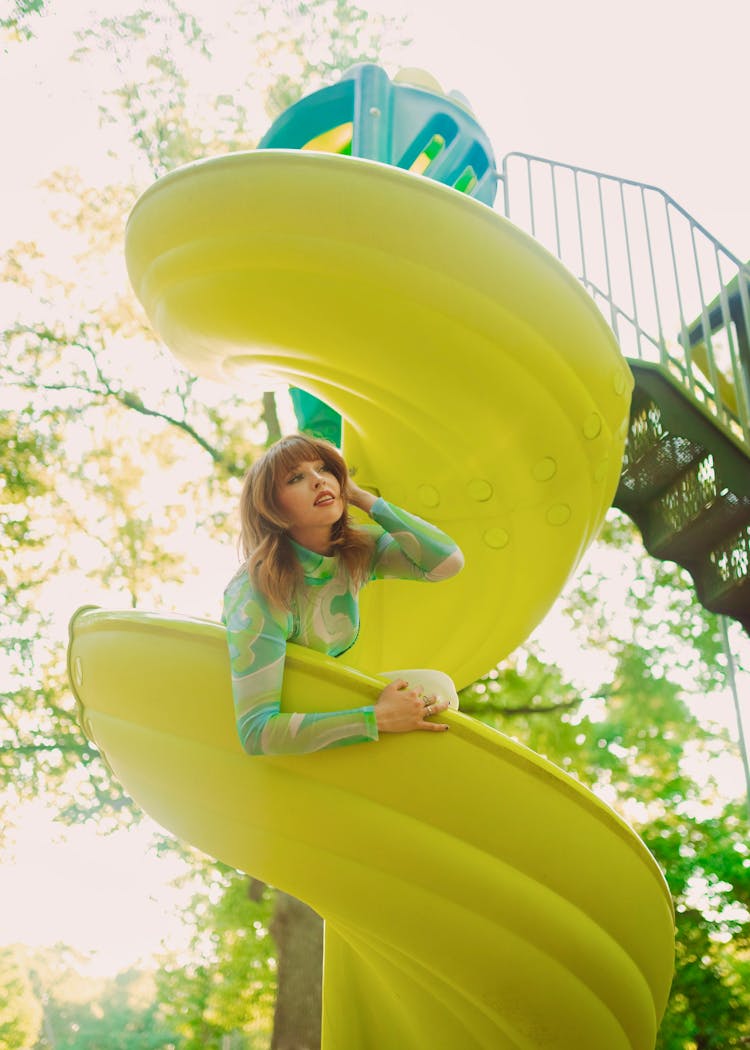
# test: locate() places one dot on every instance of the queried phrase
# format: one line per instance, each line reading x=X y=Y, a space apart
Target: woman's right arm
x=257 y=650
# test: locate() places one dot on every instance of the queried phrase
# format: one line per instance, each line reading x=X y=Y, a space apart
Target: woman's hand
x=358 y=497
x=400 y=709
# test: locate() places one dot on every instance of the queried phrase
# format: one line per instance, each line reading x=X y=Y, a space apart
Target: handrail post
x=732 y=682
x=646 y=263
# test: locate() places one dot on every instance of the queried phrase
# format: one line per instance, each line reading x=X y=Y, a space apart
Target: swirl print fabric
x=325 y=618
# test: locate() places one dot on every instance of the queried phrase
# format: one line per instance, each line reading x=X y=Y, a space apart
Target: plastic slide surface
x=474 y=895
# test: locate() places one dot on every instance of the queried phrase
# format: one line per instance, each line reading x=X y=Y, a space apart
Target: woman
x=305 y=563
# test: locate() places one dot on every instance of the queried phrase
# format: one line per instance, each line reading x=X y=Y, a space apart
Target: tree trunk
x=270 y=417
x=298 y=933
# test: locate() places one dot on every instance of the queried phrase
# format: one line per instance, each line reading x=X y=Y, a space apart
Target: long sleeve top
x=325 y=617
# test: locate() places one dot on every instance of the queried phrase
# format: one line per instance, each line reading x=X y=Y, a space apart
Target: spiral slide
x=474 y=895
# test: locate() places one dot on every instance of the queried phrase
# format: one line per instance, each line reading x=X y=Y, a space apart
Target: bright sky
x=646 y=90
x=109 y=897
x=653 y=90
x=649 y=90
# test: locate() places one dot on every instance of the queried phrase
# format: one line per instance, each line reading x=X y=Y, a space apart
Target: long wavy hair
x=272 y=564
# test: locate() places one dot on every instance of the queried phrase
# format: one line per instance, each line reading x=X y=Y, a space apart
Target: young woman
x=305 y=563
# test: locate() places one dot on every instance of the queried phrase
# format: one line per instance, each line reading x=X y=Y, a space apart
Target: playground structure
x=677 y=300
x=679 y=305
x=479 y=384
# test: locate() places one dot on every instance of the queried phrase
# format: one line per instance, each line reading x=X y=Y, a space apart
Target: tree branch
x=133 y=401
x=491 y=707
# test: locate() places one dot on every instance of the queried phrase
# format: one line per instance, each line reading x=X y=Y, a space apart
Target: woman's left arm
x=409 y=547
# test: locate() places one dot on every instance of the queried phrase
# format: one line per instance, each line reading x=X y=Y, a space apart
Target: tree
x=637 y=741
x=20 y=1010
x=20 y=20
x=86 y=1013
x=227 y=988
x=298 y=934
x=123 y=1016
x=92 y=407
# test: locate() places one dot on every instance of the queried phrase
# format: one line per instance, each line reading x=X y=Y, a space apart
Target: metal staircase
x=679 y=305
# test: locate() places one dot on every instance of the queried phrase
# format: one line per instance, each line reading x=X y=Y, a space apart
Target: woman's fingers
x=433 y=706
x=401 y=709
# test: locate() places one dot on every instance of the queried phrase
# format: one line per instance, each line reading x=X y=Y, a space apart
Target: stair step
x=726 y=572
x=686 y=485
x=694 y=514
x=656 y=465
x=663 y=411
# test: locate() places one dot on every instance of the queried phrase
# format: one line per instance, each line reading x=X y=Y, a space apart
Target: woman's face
x=309 y=496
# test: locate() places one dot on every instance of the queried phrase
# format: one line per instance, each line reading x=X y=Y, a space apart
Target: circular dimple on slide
x=619 y=382
x=544 y=469
x=428 y=496
x=479 y=490
x=592 y=426
x=496 y=538
x=558 y=514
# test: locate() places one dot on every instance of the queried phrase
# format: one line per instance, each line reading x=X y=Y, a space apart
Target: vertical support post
x=372 y=114
x=663 y=352
x=607 y=267
x=531 y=197
x=741 y=320
x=732 y=680
x=579 y=220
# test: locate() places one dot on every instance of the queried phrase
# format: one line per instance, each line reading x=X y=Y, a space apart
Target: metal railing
x=671 y=292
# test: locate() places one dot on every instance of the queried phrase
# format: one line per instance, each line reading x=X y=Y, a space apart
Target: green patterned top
x=325 y=617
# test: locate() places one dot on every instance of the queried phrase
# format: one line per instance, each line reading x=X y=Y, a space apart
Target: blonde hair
x=272 y=564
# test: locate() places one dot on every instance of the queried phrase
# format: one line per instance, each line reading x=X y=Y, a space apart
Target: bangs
x=271 y=563
x=288 y=453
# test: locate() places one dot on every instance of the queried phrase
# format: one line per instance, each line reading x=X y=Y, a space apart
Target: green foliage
x=19 y=22
x=38 y=730
x=291 y=49
x=123 y=1016
x=94 y=410
x=228 y=987
x=20 y=1010
x=323 y=38
x=23 y=453
x=91 y=409
x=83 y=1013
x=709 y=1003
x=643 y=741
x=28 y=446
x=149 y=48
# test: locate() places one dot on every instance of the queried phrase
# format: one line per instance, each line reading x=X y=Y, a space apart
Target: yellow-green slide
x=474 y=895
